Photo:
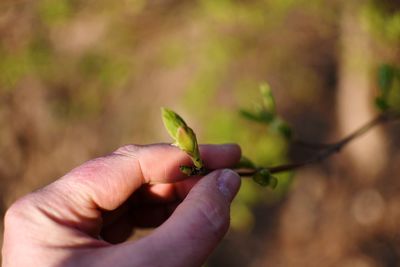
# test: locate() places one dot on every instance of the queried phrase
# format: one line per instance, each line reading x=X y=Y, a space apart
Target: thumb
x=195 y=228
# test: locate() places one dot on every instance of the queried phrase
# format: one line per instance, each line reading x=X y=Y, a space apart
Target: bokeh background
x=79 y=78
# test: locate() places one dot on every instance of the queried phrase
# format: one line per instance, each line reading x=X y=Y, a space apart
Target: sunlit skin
x=85 y=217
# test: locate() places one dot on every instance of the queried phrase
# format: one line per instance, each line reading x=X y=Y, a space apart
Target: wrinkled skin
x=85 y=217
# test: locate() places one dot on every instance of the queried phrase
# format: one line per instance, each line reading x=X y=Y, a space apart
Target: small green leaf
x=283 y=128
x=186 y=170
x=273 y=182
x=266 y=116
x=264 y=178
x=268 y=98
x=381 y=103
x=262 y=116
x=386 y=74
x=388 y=80
x=249 y=115
x=266 y=112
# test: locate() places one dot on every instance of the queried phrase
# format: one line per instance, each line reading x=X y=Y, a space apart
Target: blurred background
x=81 y=78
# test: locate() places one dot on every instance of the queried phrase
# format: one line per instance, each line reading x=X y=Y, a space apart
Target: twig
x=326 y=150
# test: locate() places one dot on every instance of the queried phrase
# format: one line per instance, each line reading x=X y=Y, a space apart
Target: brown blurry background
x=81 y=78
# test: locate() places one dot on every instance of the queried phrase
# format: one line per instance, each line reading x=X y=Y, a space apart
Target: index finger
x=106 y=182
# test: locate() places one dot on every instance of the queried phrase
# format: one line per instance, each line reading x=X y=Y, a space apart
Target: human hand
x=136 y=186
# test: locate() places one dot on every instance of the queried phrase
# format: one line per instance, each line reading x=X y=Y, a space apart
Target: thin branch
x=327 y=150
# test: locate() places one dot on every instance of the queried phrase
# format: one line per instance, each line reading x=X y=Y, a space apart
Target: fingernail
x=228 y=183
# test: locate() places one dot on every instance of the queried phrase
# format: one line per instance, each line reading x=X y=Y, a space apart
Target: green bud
x=186 y=170
x=192 y=170
x=172 y=122
x=183 y=135
x=264 y=178
x=186 y=140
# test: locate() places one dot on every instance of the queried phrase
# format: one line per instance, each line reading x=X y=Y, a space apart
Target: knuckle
x=17 y=210
x=127 y=150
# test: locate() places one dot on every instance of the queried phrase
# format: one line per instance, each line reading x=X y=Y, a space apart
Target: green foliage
x=268 y=99
x=99 y=67
x=264 y=178
x=110 y=78
x=381 y=103
x=186 y=139
x=386 y=75
x=266 y=114
x=12 y=68
x=282 y=127
x=383 y=18
x=389 y=88
x=260 y=116
x=34 y=58
x=245 y=163
x=52 y=12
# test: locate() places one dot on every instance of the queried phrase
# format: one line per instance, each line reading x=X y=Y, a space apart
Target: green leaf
x=262 y=116
x=186 y=170
x=266 y=116
x=249 y=115
x=388 y=83
x=245 y=163
x=386 y=74
x=268 y=98
x=266 y=112
x=264 y=178
x=381 y=103
x=283 y=128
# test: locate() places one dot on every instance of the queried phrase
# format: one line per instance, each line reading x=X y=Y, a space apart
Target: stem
x=326 y=150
